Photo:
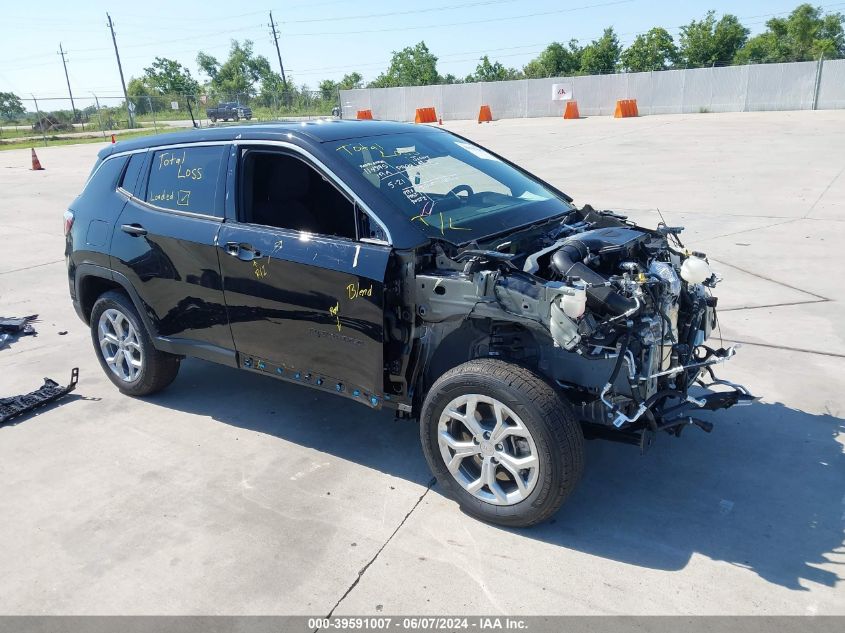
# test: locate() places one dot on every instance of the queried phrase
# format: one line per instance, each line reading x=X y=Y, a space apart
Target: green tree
x=11 y=106
x=708 y=41
x=556 y=60
x=412 y=66
x=351 y=81
x=654 y=50
x=167 y=76
x=764 y=48
x=495 y=71
x=601 y=55
x=273 y=92
x=142 y=96
x=831 y=36
x=805 y=34
x=238 y=77
x=208 y=64
x=328 y=89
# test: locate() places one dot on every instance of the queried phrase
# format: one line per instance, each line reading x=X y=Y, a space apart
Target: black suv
x=402 y=266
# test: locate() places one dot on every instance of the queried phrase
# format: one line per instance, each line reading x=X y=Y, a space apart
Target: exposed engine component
x=627 y=311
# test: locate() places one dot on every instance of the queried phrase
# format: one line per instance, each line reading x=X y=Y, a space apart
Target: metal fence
x=97 y=116
x=790 y=86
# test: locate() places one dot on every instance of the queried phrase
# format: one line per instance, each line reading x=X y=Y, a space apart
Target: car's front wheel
x=125 y=350
x=501 y=442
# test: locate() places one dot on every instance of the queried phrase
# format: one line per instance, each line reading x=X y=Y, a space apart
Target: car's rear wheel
x=501 y=442
x=125 y=350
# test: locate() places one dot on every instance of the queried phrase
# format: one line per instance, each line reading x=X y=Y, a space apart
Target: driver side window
x=283 y=191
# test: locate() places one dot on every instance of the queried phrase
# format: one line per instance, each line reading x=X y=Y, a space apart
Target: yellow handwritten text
x=260 y=270
x=354 y=291
x=334 y=310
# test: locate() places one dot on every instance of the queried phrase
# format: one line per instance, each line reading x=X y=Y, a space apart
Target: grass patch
x=97 y=137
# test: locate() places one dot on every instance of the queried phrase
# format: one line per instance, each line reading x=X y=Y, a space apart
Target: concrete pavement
x=233 y=493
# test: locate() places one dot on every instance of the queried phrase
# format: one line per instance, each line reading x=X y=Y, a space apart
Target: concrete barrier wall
x=793 y=86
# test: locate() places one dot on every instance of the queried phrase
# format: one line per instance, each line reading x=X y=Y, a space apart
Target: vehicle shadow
x=764 y=491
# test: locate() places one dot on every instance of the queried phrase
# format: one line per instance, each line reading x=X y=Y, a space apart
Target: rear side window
x=185 y=179
x=105 y=176
x=133 y=169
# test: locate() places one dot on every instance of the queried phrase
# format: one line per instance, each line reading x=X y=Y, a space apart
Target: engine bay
x=615 y=314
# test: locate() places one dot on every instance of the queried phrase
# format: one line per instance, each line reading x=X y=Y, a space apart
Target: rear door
x=303 y=305
x=164 y=243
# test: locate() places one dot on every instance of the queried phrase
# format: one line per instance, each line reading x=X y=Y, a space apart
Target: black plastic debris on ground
x=13 y=327
x=51 y=390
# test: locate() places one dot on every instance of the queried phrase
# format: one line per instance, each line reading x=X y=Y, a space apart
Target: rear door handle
x=133 y=229
x=244 y=252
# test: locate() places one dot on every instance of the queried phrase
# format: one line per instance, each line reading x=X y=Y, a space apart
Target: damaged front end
x=616 y=315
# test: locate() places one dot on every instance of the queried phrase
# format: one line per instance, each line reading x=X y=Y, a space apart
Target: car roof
x=317 y=130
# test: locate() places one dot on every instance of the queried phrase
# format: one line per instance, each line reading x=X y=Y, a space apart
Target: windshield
x=448 y=187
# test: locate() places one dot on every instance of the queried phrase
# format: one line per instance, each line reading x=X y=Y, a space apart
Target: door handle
x=244 y=252
x=133 y=229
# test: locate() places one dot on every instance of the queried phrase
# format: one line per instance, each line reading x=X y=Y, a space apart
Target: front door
x=303 y=305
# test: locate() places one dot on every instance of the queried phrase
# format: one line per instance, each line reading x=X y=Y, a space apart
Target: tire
x=542 y=430
x=115 y=319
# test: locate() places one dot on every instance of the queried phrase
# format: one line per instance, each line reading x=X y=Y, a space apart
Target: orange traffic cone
x=36 y=164
x=484 y=114
x=571 y=111
x=113 y=140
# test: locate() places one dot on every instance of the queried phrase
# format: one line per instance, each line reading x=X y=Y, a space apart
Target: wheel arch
x=472 y=339
x=92 y=281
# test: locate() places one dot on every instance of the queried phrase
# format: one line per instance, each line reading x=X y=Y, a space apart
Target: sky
x=319 y=39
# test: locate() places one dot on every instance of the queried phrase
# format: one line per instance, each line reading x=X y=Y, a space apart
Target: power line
x=350 y=66
x=464 y=23
x=464 y=5
x=447 y=57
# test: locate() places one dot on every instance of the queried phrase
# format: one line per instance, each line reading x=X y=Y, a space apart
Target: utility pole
x=67 y=79
x=120 y=68
x=99 y=117
x=40 y=120
x=279 y=54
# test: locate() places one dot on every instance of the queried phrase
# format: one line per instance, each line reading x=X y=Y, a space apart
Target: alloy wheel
x=488 y=449
x=120 y=345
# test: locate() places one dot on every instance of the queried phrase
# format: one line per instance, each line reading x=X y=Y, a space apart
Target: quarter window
x=133 y=169
x=185 y=179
